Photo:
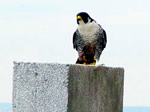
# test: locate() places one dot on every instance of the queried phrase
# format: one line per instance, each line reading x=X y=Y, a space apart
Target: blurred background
x=42 y=30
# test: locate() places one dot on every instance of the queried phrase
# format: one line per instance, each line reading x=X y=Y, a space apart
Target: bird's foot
x=94 y=63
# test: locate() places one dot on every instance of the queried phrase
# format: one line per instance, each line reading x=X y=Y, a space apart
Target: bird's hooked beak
x=79 y=18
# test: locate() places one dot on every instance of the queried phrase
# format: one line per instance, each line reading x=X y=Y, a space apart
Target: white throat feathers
x=89 y=30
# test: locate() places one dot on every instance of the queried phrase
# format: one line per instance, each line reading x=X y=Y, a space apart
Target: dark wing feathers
x=74 y=41
x=104 y=39
x=101 y=43
x=78 y=42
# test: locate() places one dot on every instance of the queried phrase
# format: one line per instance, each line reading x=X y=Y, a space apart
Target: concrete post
x=44 y=87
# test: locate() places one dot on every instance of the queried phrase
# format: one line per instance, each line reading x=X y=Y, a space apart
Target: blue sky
x=41 y=31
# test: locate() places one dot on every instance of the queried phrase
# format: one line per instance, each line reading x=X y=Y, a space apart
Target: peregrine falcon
x=89 y=39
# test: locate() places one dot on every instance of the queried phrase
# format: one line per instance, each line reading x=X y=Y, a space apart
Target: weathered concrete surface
x=95 y=89
x=44 y=87
x=40 y=87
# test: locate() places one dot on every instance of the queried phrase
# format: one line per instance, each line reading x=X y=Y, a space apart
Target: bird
x=89 y=39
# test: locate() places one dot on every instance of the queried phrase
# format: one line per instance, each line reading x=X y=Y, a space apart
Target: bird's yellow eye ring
x=79 y=17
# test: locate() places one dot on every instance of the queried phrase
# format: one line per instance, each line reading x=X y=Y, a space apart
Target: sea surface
x=7 y=107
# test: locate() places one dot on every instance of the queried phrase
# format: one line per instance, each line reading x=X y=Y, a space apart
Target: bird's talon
x=92 y=63
x=84 y=63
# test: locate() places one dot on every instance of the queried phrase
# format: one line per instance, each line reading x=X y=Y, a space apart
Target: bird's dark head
x=83 y=17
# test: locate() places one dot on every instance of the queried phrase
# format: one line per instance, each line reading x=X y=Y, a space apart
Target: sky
x=42 y=30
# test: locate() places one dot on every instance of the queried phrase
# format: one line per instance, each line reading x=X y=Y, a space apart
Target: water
x=136 y=109
x=7 y=107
